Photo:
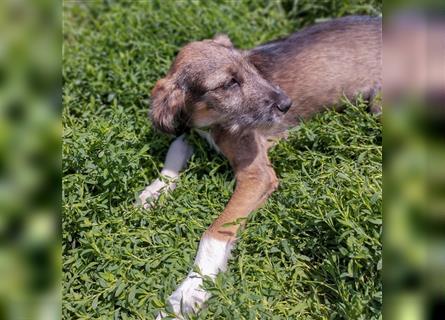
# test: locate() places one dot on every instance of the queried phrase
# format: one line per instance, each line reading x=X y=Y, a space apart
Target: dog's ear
x=167 y=106
x=223 y=40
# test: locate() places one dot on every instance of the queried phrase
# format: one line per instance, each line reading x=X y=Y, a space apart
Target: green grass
x=312 y=252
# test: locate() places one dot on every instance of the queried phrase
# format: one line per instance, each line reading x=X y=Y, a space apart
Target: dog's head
x=210 y=82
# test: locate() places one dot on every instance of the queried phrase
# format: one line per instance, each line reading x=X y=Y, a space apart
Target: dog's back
x=320 y=64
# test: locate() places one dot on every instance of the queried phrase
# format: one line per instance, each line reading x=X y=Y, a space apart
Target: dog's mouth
x=261 y=120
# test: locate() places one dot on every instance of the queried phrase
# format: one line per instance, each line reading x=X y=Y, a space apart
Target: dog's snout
x=284 y=105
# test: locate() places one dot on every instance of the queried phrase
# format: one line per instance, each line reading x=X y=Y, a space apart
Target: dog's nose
x=284 y=105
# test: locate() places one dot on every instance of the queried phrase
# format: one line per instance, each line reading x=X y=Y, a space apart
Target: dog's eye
x=231 y=84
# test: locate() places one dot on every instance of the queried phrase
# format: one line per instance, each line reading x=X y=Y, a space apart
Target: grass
x=312 y=252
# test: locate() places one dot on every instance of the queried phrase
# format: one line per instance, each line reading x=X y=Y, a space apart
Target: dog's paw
x=152 y=192
x=189 y=296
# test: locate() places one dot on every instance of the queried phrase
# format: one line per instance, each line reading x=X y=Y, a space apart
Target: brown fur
x=323 y=63
x=244 y=96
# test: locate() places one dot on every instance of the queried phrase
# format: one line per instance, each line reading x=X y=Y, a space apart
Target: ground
x=312 y=252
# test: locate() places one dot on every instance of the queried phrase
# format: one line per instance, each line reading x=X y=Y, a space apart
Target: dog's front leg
x=255 y=181
x=178 y=154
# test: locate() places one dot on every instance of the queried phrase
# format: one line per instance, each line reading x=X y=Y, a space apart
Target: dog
x=242 y=102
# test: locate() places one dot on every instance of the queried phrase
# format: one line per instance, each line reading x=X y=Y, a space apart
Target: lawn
x=313 y=251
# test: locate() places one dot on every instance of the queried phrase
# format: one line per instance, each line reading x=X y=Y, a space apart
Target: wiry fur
x=212 y=83
x=209 y=83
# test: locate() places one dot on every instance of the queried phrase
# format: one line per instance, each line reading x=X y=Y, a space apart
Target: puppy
x=245 y=100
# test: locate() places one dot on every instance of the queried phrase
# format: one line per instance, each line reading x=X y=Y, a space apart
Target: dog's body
x=317 y=66
x=249 y=99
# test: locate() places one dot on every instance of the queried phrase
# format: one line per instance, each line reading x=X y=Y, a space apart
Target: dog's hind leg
x=178 y=154
x=255 y=181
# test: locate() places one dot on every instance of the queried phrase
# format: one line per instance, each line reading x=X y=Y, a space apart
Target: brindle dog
x=246 y=100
